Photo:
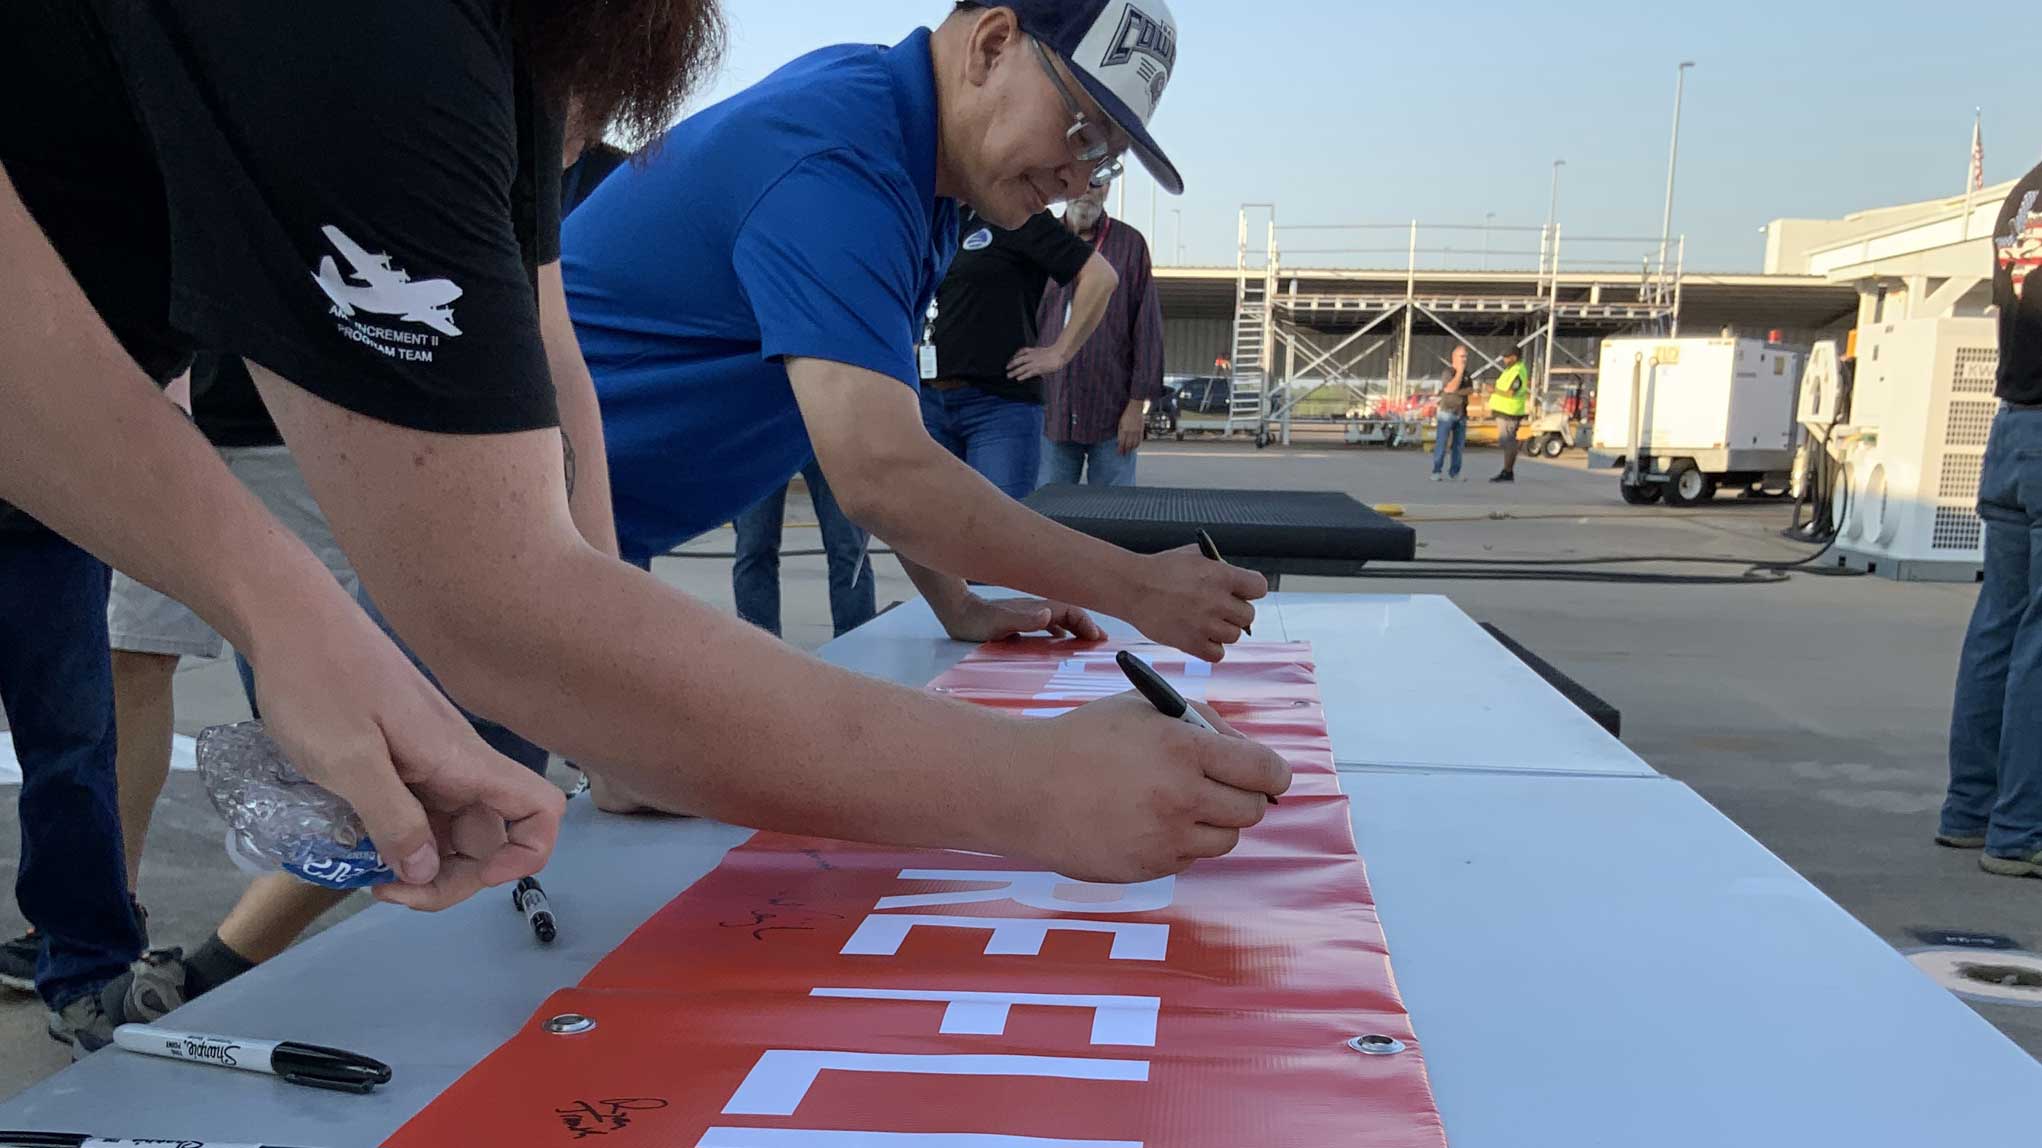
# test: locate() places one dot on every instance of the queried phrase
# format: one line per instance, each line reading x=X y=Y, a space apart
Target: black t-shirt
x=1455 y=402
x=985 y=309
x=2017 y=244
x=226 y=406
x=588 y=172
x=355 y=195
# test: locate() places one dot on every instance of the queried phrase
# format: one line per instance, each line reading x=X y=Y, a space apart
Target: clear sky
x=1350 y=111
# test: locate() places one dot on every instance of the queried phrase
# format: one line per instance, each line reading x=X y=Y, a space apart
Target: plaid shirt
x=1123 y=360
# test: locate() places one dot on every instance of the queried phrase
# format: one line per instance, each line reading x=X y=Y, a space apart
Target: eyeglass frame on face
x=1106 y=164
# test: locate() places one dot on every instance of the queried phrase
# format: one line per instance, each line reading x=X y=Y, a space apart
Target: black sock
x=213 y=965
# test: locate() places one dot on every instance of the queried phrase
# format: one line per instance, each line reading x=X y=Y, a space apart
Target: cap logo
x=1154 y=41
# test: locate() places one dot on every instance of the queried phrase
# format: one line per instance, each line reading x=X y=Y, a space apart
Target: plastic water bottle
x=279 y=819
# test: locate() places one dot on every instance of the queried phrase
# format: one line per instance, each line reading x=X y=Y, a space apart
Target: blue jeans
x=499 y=737
x=56 y=684
x=1455 y=428
x=755 y=579
x=999 y=438
x=1101 y=463
x=1996 y=724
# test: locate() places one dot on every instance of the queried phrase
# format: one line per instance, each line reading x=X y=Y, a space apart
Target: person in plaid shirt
x=1095 y=406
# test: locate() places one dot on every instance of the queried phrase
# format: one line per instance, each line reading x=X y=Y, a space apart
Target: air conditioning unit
x=1922 y=407
x=1821 y=389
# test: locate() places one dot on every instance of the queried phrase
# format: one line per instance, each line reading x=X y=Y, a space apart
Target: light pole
x=1672 y=166
x=1486 y=221
x=1552 y=220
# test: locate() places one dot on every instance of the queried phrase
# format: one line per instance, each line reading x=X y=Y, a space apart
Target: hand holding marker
x=1162 y=695
x=1211 y=549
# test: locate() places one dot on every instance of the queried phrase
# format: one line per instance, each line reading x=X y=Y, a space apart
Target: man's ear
x=994 y=39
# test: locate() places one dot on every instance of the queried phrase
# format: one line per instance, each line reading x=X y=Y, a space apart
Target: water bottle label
x=358 y=868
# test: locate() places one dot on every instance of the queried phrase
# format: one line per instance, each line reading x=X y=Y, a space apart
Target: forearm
x=698 y=711
x=930 y=505
x=583 y=453
x=942 y=591
x=587 y=464
x=89 y=447
x=1088 y=306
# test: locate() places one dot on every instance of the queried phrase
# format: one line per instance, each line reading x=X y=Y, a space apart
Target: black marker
x=311 y=1065
x=1162 y=694
x=530 y=900
x=82 y=1140
x=1211 y=549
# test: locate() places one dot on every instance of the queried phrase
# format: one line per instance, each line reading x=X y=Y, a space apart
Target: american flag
x=1977 y=178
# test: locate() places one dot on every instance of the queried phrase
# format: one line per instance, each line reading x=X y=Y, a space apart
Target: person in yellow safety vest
x=1509 y=402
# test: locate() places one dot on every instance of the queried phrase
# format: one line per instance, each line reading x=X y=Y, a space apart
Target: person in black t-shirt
x=1995 y=796
x=361 y=199
x=983 y=403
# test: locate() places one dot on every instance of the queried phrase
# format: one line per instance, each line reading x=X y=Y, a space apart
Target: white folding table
x=1591 y=954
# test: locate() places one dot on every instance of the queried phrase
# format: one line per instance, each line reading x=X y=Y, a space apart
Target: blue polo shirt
x=797 y=218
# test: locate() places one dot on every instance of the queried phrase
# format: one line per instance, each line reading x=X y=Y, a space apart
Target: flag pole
x=1974 y=177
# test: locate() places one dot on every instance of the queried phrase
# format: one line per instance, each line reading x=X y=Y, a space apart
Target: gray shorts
x=141 y=620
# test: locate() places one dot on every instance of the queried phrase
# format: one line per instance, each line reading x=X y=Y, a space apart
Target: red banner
x=817 y=994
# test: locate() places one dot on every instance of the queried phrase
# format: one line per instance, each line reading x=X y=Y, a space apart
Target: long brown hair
x=625 y=66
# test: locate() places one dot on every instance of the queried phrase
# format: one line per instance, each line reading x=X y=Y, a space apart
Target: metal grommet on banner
x=569 y=1024
x=1376 y=1045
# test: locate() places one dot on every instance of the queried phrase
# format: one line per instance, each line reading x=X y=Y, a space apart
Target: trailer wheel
x=1644 y=494
x=1686 y=485
x=1552 y=446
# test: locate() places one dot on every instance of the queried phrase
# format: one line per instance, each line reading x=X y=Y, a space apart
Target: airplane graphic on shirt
x=382 y=289
x=2020 y=249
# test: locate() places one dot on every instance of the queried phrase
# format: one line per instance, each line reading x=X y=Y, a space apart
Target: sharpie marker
x=1211 y=550
x=531 y=901
x=80 y=1140
x=1162 y=694
x=311 y=1065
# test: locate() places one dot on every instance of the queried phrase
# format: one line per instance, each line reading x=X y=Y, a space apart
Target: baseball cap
x=1122 y=51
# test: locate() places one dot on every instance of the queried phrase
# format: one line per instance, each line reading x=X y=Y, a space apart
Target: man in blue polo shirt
x=752 y=297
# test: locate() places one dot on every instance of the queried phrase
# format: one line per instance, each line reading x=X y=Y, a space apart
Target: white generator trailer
x=1685 y=417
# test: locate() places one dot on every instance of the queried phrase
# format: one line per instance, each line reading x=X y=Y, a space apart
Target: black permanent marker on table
x=1162 y=694
x=531 y=901
x=1211 y=549
x=312 y=1065
x=82 y=1140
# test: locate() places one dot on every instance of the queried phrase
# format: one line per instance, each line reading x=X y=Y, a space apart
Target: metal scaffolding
x=1321 y=330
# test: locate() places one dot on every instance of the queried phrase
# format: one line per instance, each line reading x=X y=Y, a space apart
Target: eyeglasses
x=1089 y=143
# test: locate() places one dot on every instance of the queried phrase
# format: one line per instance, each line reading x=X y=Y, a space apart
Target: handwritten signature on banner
x=586 y=1118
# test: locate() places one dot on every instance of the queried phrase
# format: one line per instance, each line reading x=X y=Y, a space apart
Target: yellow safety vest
x=1504 y=402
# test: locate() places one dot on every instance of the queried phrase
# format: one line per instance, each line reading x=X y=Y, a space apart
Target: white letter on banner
x=1115 y=1020
x=776 y=1084
x=881 y=934
x=1074 y=682
x=1035 y=890
x=807 y=1138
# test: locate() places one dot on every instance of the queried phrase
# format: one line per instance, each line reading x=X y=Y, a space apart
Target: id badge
x=928 y=360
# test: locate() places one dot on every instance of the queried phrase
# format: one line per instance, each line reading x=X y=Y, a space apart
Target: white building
x=1927 y=260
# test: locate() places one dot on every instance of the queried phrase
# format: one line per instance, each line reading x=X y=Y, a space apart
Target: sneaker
x=2030 y=866
x=82 y=1024
x=1504 y=477
x=1436 y=477
x=17 y=961
x=1961 y=840
x=151 y=988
